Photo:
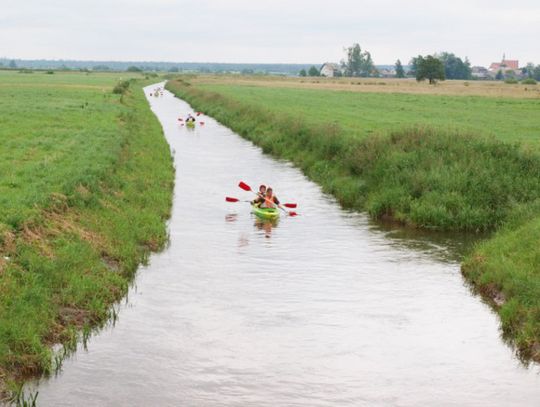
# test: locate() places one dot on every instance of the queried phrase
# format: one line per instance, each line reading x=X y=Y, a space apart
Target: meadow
x=85 y=190
x=426 y=159
x=365 y=113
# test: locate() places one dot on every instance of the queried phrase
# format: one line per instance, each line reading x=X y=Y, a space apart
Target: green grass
x=506 y=269
x=360 y=114
x=432 y=169
x=87 y=188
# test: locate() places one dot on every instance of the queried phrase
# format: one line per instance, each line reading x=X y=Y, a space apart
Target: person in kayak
x=260 y=196
x=270 y=200
x=190 y=118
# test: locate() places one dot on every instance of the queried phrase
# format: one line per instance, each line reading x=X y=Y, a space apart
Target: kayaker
x=270 y=200
x=260 y=195
x=190 y=118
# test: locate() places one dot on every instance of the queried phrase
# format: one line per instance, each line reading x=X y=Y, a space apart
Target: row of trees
x=359 y=63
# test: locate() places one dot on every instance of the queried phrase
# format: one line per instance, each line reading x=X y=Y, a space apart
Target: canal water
x=322 y=309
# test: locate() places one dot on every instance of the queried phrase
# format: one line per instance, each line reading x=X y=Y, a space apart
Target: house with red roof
x=504 y=65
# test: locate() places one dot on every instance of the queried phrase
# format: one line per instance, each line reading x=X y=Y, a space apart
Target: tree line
x=441 y=66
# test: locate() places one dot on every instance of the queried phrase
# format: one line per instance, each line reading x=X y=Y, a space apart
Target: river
x=322 y=309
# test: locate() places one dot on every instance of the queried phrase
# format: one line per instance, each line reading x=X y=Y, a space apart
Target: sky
x=268 y=31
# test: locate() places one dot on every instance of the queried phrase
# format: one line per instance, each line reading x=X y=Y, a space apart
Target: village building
x=504 y=65
x=387 y=73
x=330 y=70
x=479 y=72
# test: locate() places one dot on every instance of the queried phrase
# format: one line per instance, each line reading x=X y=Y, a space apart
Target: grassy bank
x=506 y=271
x=423 y=176
x=86 y=190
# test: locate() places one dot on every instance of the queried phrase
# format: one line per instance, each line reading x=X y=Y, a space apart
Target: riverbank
x=87 y=191
x=421 y=176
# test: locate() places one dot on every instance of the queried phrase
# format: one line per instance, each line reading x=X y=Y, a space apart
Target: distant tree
x=173 y=69
x=499 y=75
x=313 y=71
x=413 y=63
x=536 y=73
x=302 y=72
x=528 y=70
x=358 y=63
x=247 y=71
x=429 y=68
x=454 y=67
x=133 y=69
x=101 y=68
x=400 y=72
x=12 y=64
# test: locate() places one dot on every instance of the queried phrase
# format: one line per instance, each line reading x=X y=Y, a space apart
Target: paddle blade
x=292 y=213
x=229 y=199
x=202 y=123
x=290 y=205
x=244 y=186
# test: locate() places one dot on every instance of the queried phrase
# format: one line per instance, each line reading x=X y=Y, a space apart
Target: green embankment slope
x=86 y=188
x=429 y=161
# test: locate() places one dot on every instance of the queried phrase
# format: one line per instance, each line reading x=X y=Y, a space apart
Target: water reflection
x=265 y=226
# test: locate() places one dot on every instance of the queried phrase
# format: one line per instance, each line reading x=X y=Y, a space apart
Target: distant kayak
x=265 y=213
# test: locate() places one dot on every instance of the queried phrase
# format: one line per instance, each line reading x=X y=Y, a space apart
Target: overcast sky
x=265 y=31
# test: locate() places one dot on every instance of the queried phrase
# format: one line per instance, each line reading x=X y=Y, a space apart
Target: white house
x=330 y=69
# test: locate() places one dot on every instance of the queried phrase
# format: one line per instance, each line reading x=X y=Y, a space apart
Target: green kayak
x=265 y=213
x=190 y=124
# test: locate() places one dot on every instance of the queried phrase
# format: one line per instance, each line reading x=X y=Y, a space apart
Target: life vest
x=268 y=202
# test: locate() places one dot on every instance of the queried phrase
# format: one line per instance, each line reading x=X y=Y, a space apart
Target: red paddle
x=231 y=199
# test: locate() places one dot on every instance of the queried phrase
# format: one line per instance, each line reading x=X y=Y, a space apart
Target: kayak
x=265 y=213
x=190 y=124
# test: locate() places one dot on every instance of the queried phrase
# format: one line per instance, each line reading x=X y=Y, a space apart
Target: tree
x=536 y=73
x=314 y=71
x=454 y=67
x=499 y=75
x=12 y=64
x=430 y=68
x=303 y=72
x=134 y=69
x=400 y=73
x=358 y=63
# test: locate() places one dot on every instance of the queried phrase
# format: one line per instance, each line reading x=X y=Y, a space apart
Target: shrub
x=511 y=81
x=528 y=81
x=121 y=87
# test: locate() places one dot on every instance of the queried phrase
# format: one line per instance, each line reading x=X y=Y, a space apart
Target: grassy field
x=86 y=188
x=380 y=85
x=361 y=113
x=434 y=161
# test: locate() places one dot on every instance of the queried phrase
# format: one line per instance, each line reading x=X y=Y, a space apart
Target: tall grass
x=83 y=206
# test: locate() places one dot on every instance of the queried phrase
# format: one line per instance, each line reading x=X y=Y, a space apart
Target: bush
x=511 y=81
x=121 y=87
x=528 y=81
x=49 y=73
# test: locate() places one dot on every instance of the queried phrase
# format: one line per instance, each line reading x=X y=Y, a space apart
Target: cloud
x=267 y=31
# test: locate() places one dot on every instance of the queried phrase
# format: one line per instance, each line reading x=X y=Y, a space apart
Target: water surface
x=324 y=309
